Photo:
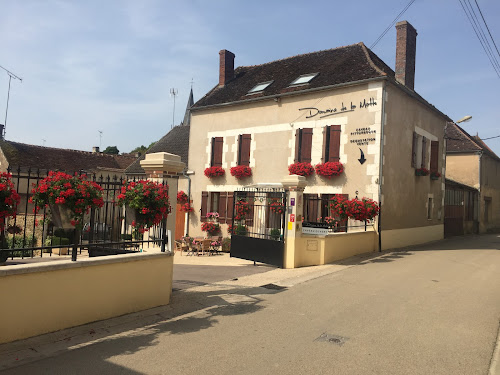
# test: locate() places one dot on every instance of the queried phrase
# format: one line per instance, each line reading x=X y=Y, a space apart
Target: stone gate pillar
x=294 y=185
x=165 y=167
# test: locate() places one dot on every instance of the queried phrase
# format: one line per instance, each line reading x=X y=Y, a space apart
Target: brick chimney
x=406 y=46
x=95 y=149
x=226 y=67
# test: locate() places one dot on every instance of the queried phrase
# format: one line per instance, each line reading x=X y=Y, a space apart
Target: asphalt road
x=432 y=310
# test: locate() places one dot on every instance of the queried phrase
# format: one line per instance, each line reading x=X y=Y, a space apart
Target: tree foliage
x=113 y=150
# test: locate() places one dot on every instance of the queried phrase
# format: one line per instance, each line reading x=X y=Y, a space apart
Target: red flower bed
x=9 y=199
x=182 y=197
x=210 y=227
x=186 y=207
x=421 y=172
x=301 y=169
x=277 y=207
x=241 y=171
x=329 y=169
x=214 y=172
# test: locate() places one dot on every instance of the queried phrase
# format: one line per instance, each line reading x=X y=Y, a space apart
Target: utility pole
x=173 y=92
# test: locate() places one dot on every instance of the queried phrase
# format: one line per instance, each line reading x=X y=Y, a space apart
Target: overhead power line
x=392 y=24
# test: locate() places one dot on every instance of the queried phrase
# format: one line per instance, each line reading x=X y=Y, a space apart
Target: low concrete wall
x=397 y=238
x=49 y=296
x=314 y=250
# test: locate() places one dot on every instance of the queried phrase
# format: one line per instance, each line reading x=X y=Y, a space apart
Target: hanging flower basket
x=421 y=172
x=69 y=198
x=186 y=207
x=339 y=207
x=301 y=169
x=277 y=207
x=182 y=197
x=329 y=169
x=212 y=216
x=435 y=175
x=241 y=171
x=211 y=172
x=211 y=228
x=242 y=209
x=9 y=198
x=149 y=200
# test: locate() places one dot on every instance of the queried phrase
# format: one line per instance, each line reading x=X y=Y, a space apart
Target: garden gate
x=258 y=227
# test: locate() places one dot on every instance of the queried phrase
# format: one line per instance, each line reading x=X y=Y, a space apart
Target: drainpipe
x=381 y=165
x=186 y=222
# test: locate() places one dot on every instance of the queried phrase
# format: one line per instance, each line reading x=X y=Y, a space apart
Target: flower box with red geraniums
x=186 y=207
x=301 y=169
x=149 y=200
x=435 y=175
x=182 y=197
x=214 y=172
x=241 y=171
x=421 y=172
x=9 y=198
x=339 y=207
x=277 y=207
x=73 y=193
x=329 y=169
x=211 y=228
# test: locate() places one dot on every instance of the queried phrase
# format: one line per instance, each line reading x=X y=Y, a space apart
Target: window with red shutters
x=216 y=158
x=303 y=145
x=244 y=141
x=331 y=143
x=434 y=167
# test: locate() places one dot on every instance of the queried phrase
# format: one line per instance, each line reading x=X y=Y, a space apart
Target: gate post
x=294 y=186
x=164 y=167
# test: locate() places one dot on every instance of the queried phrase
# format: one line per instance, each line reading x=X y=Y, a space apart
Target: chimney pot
x=226 y=66
x=95 y=149
x=406 y=47
x=2 y=127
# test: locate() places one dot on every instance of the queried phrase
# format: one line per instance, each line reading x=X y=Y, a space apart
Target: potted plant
x=277 y=207
x=329 y=169
x=301 y=169
x=242 y=209
x=9 y=200
x=213 y=216
x=148 y=201
x=421 y=171
x=182 y=197
x=212 y=172
x=435 y=175
x=211 y=228
x=339 y=207
x=241 y=171
x=275 y=234
x=186 y=207
x=68 y=197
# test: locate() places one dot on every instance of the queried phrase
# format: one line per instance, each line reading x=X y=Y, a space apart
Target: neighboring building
x=460 y=209
x=343 y=104
x=176 y=141
x=471 y=162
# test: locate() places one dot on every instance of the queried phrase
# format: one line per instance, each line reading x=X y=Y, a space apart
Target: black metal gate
x=258 y=227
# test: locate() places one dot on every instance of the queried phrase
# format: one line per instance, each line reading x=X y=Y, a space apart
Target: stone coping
x=18 y=269
x=329 y=235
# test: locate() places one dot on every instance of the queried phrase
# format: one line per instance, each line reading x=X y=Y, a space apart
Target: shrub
x=275 y=233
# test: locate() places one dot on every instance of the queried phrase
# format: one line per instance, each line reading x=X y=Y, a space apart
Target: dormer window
x=260 y=87
x=306 y=78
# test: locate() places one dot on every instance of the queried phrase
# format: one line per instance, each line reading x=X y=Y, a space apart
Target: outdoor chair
x=181 y=246
x=202 y=246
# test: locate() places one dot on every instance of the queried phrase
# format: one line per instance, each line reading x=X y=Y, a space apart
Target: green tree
x=142 y=149
x=113 y=150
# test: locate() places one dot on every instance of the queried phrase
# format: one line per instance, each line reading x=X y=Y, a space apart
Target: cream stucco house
x=344 y=104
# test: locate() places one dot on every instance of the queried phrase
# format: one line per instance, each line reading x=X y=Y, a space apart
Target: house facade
x=469 y=161
x=343 y=105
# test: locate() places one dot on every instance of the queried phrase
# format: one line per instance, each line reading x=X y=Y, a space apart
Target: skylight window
x=260 y=87
x=306 y=78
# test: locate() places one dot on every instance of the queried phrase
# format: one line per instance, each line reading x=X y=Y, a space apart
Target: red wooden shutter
x=334 y=146
x=298 y=134
x=217 y=143
x=229 y=211
x=306 y=145
x=245 y=140
x=311 y=207
x=204 y=204
x=434 y=156
x=222 y=207
x=414 y=150
x=424 y=151
x=251 y=203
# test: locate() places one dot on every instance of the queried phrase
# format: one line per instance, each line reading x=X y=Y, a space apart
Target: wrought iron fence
x=317 y=212
x=106 y=231
x=260 y=213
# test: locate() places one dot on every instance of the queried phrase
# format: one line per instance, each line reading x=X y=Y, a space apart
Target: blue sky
x=109 y=65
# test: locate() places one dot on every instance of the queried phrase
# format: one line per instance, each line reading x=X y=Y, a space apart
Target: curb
x=495 y=358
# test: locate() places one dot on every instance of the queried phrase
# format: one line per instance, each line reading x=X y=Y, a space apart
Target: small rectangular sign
x=292 y=218
x=315 y=231
x=292 y=201
x=290 y=225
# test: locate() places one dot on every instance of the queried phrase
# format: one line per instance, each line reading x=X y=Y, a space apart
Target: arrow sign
x=362 y=159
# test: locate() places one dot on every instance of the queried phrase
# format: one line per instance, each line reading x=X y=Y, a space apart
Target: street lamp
x=464 y=119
